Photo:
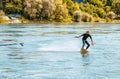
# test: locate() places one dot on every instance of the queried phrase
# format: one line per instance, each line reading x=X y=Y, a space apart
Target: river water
x=50 y=51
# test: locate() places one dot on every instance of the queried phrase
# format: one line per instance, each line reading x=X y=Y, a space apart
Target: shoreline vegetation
x=59 y=11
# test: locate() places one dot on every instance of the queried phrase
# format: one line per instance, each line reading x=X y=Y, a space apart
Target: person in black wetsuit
x=84 y=39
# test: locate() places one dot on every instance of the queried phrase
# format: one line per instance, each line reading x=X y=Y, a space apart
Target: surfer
x=84 y=39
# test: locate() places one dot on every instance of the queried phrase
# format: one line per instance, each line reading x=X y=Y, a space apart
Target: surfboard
x=83 y=51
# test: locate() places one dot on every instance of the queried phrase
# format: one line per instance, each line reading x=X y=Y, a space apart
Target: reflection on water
x=50 y=51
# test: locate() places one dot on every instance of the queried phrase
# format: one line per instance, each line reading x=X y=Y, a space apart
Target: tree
x=41 y=9
x=61 y=12
x=77 y=16
x=107 y=9
x=32 y=8
x=116 y=6
x=47 y=9
x=87 y=17
x=109 y=2
x=72 y=6
x=13 y=6
x=101 y=13
x=111 y=15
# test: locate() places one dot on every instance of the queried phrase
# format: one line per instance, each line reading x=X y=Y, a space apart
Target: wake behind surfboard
x=83 y=51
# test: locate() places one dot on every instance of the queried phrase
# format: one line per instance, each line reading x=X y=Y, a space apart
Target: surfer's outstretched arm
x=79 y=36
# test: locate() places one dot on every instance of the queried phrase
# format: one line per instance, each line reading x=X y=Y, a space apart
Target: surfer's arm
x=78 y=36
x=91 y=40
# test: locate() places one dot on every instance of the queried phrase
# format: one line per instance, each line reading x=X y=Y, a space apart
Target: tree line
x=63 y=10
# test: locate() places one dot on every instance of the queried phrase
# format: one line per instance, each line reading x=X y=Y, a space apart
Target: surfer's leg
x=88 y=45
x=83 y=43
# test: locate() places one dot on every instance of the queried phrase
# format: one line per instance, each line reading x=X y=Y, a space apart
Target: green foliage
x=64 y=1
x=93 y=10
x=107 y=9
x=87 y=8
x=116 y=6
x=9 y=8
x=101 y=13
x=63 y=10
x=97 y=3
x=95 y=15
x=108 y=19
x=97 y=19
x=72 y=7
x=13 y=6
x=109 y=2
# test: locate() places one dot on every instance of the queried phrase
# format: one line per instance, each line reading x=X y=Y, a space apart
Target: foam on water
x=61 y=45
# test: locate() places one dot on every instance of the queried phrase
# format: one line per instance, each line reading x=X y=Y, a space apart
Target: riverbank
x=21 y=20
x=8 y=19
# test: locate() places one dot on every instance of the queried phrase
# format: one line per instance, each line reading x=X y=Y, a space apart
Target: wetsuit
x=84 y=40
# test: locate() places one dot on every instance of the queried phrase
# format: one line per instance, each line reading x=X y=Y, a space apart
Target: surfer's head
x=87 y=32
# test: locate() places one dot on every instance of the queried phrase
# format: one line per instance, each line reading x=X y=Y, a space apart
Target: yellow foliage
x=4 y=20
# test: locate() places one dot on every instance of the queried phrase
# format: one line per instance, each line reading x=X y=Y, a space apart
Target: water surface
x=50 y=51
